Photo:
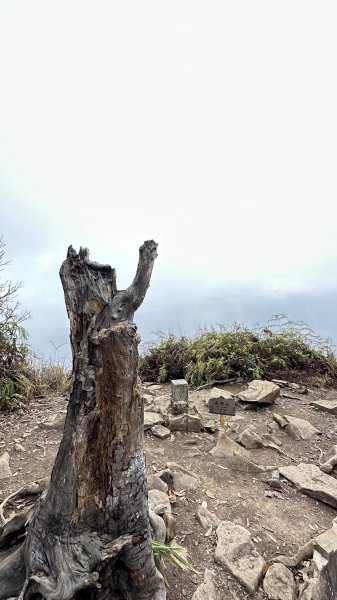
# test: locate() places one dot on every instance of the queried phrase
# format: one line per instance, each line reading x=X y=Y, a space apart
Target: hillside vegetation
x=280 y=349
x=22 y=375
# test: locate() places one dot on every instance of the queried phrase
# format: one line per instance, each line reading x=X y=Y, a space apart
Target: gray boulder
x=158 y=526
x=183 y=479
x=161 y=432
x=280 y=421
x=300 y=429
x=155 y=483
x=329 y=406
x=206 y=518
x=217 y=393
x=310 y=480
x=260 y=392
x=158 y=501
x=237 y=457
x=279 y=583
x=330 y=460
x=249 y=439
x=236 y=552
x=178 y=422
x=194 y=422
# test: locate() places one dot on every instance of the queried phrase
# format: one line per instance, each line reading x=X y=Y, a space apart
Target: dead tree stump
x=88 y=536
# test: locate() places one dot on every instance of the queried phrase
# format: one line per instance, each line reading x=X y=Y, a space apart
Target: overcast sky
x=210 y=126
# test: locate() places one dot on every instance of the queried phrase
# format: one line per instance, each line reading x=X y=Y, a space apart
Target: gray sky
x=210 y=126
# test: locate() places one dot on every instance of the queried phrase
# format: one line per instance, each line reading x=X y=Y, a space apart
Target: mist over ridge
x=179 y=313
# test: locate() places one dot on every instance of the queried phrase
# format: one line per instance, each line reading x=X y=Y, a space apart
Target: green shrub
x=166 y=359
x=13 y=342
x=282 y=348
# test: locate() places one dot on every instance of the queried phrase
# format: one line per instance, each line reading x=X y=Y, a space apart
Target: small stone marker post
x=221 y=403
x=179 y=396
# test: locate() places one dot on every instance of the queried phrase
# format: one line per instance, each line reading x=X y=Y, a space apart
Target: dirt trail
x=277 y=524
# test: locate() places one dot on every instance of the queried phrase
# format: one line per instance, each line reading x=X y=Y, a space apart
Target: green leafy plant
x=166 y=358
x=13 y=342
x=9 y=399
x=173 y=554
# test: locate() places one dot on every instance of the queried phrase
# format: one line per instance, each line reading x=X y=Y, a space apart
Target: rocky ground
x=248 y=507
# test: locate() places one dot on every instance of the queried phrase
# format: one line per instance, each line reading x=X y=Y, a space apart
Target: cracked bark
x=88 y=536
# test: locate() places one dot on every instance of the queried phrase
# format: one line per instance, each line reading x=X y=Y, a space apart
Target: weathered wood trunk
x=88 y=537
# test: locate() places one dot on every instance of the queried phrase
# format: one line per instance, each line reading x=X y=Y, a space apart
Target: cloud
x=209 y=127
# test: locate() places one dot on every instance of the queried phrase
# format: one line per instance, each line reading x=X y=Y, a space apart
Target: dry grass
x=46 y=377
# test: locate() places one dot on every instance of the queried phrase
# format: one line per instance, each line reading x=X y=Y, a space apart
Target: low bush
x=13 y=342
x=165 y=359
x=280 y=349
x=22 y=376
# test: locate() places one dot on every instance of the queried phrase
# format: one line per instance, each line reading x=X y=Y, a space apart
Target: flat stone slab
x=310 y=480
x=182 y=478
x=279 y=583
x=326 y=543
x=151 y=419
x=206 y=518
x=161 y=432
x=324 y=583
x=329 y=406
x=237 y=553
x=237 y=456
x=300 y=429
x=260 y=392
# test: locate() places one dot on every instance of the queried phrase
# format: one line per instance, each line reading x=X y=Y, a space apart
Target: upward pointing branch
x=141 y=282
x=126 y=302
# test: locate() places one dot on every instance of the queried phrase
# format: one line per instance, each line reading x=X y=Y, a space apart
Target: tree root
x=34 y=488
